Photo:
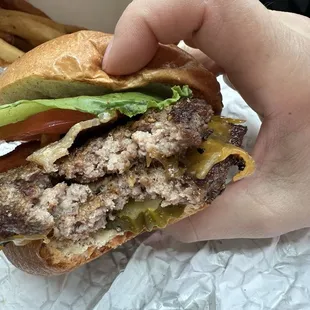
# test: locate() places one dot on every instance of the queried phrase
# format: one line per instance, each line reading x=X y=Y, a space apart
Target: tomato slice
x=18 y=157
x=52 y=122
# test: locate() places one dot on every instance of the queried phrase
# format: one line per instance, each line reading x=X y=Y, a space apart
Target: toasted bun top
x=71 y=66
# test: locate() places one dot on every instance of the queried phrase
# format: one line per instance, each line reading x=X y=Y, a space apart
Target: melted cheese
x=216 y=149
x=99 y=240
x=19 y=240
x=48 y=155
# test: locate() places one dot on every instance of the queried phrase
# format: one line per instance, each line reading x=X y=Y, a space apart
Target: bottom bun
x=40 y=258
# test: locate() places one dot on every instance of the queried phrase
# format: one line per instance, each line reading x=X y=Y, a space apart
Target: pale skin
x=266 y=57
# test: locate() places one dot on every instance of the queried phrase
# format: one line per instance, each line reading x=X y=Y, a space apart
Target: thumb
x=146 y=22
x=237 y=213
x=242 y=37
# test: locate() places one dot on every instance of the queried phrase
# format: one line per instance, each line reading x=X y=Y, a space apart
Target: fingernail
x=106 y=56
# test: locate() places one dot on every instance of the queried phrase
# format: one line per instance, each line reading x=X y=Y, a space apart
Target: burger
x=103 y=159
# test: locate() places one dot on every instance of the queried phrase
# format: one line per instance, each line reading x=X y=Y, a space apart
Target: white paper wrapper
x=160 y=273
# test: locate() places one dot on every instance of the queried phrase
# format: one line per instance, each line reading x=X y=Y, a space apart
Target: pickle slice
x=144 y=216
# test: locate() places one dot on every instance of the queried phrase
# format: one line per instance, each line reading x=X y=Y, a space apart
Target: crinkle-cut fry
x=22 y=25
x=8 y=52
x=21 y=5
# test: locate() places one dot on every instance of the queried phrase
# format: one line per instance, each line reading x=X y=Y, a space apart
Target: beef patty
x=101 y=177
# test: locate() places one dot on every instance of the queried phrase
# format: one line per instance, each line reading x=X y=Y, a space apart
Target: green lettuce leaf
x=127 y=103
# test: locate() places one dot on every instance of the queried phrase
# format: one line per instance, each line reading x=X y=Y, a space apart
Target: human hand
x=266 y=56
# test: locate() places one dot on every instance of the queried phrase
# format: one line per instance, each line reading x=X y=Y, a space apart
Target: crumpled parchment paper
x=156 y=272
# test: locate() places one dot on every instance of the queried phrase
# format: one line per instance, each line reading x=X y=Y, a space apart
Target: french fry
x=22 y=44
x=21 y=5
x=72 y=28
x=8 y=52
x=23 y=25
x=3 y=64
x=7 y=37
x=38 y=15
x=57 y=26
x=18 y=42
x=45 y=21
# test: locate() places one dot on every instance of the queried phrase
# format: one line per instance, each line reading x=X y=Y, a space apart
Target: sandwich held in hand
x=106 y=158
